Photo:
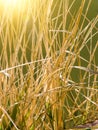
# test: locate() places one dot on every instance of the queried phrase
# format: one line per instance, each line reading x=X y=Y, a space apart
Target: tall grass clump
x=48 y=61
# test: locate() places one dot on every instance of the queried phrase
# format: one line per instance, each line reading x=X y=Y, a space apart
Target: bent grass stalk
x=46 y=80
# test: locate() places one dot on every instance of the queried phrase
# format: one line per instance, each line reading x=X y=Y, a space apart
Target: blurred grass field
x=48 y=56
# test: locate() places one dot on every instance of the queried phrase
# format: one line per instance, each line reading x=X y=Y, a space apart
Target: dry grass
x=48 y=77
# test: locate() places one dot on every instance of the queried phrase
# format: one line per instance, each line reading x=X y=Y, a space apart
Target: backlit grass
x=48 y=60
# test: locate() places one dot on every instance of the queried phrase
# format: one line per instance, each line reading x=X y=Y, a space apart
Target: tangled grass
x=48 y=59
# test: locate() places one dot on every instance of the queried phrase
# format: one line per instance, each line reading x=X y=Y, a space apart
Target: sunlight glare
x=11 y=3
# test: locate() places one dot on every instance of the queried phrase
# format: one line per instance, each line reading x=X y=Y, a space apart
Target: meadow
x=49 y=65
